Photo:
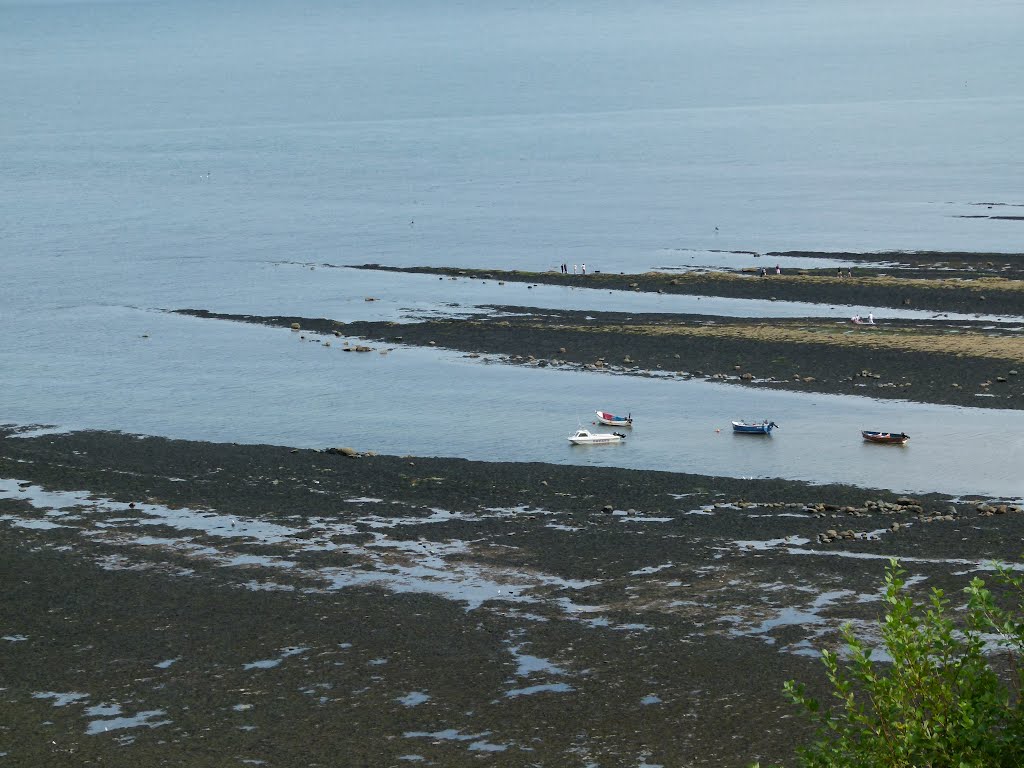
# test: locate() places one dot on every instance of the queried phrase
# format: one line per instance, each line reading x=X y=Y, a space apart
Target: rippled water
x=162 y=156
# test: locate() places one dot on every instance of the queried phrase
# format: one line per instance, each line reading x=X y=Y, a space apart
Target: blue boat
x=754 y=428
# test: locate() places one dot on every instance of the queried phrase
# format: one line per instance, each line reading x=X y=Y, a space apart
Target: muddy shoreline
x=928 y=285
x=211 y=603
x=173 y=602
x=903 y=359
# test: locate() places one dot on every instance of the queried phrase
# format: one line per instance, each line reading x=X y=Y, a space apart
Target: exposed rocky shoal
x=904 y=359
x=934 y=282
x=207 y=604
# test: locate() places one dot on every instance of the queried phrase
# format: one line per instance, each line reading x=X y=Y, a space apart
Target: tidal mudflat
x=174 y=601
x=210 y=603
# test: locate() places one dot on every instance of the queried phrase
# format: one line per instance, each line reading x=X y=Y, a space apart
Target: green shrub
x=938 y=701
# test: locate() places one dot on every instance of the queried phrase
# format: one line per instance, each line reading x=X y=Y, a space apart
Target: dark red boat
x=889 y=438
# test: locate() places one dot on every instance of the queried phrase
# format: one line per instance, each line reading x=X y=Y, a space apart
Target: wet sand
x=209 y=604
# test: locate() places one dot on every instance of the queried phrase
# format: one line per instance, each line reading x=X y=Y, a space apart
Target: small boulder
x=351 y=452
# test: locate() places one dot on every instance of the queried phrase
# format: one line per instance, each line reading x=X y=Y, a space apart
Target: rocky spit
x=183 y=603
x=967 y=363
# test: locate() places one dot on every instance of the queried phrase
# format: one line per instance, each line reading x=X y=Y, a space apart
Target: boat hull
x=611 y=420
x=586 y=437
x=885 y=438
x=745 y=428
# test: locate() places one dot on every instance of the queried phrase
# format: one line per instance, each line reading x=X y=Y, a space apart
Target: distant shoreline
x=965 y=286
x=946 y=363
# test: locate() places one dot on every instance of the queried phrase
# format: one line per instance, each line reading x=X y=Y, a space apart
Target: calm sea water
x=158 y=155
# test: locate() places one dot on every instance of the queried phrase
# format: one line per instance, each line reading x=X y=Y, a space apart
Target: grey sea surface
x=198 y=379
x=158 y=156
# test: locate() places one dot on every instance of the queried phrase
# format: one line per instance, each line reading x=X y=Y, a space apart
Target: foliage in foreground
x=938 y=701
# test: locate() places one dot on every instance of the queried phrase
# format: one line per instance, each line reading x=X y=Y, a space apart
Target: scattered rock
x=350 y=452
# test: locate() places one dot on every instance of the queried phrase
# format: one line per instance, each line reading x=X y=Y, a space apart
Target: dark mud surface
x=935 y=282
x=185 y=603
x=926 y=264
x=779 y=354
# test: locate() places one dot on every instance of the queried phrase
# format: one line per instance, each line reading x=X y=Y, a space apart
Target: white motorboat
x=586 y=437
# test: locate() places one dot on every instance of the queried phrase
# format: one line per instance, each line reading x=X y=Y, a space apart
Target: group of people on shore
x=764 y=272
x=575 y=267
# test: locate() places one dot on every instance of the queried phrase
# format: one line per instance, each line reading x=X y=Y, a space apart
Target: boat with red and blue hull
x=611 y=420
